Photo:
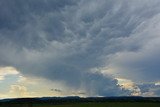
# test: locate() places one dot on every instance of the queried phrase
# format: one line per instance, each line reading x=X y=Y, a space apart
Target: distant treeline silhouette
x=61 y=100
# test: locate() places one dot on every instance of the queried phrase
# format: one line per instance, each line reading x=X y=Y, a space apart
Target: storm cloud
x=68 y=40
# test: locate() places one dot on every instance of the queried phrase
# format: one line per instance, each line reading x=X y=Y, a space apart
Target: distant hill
x=72 y=99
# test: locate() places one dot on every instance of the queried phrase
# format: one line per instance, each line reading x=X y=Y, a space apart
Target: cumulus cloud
x=149 y=89
x=129 y=85
x=18 y=91
x=5 y=71
x=65 y=40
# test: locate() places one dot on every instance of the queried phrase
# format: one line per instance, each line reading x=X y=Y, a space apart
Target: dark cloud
x=149 y=89
x=21 y=21
x=56 y=90
x=100 y=85
x=66 y=40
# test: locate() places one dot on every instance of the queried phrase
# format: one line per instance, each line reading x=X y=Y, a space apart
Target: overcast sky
x=79 y=47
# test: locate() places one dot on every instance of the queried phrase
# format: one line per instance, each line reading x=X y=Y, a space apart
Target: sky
x=80 y=48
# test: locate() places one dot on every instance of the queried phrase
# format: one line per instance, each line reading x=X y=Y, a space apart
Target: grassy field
x=108 y=104
x=93 y=104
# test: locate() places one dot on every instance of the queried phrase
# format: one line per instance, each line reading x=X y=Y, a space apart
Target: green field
x=114 y=104
x=92 y=104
